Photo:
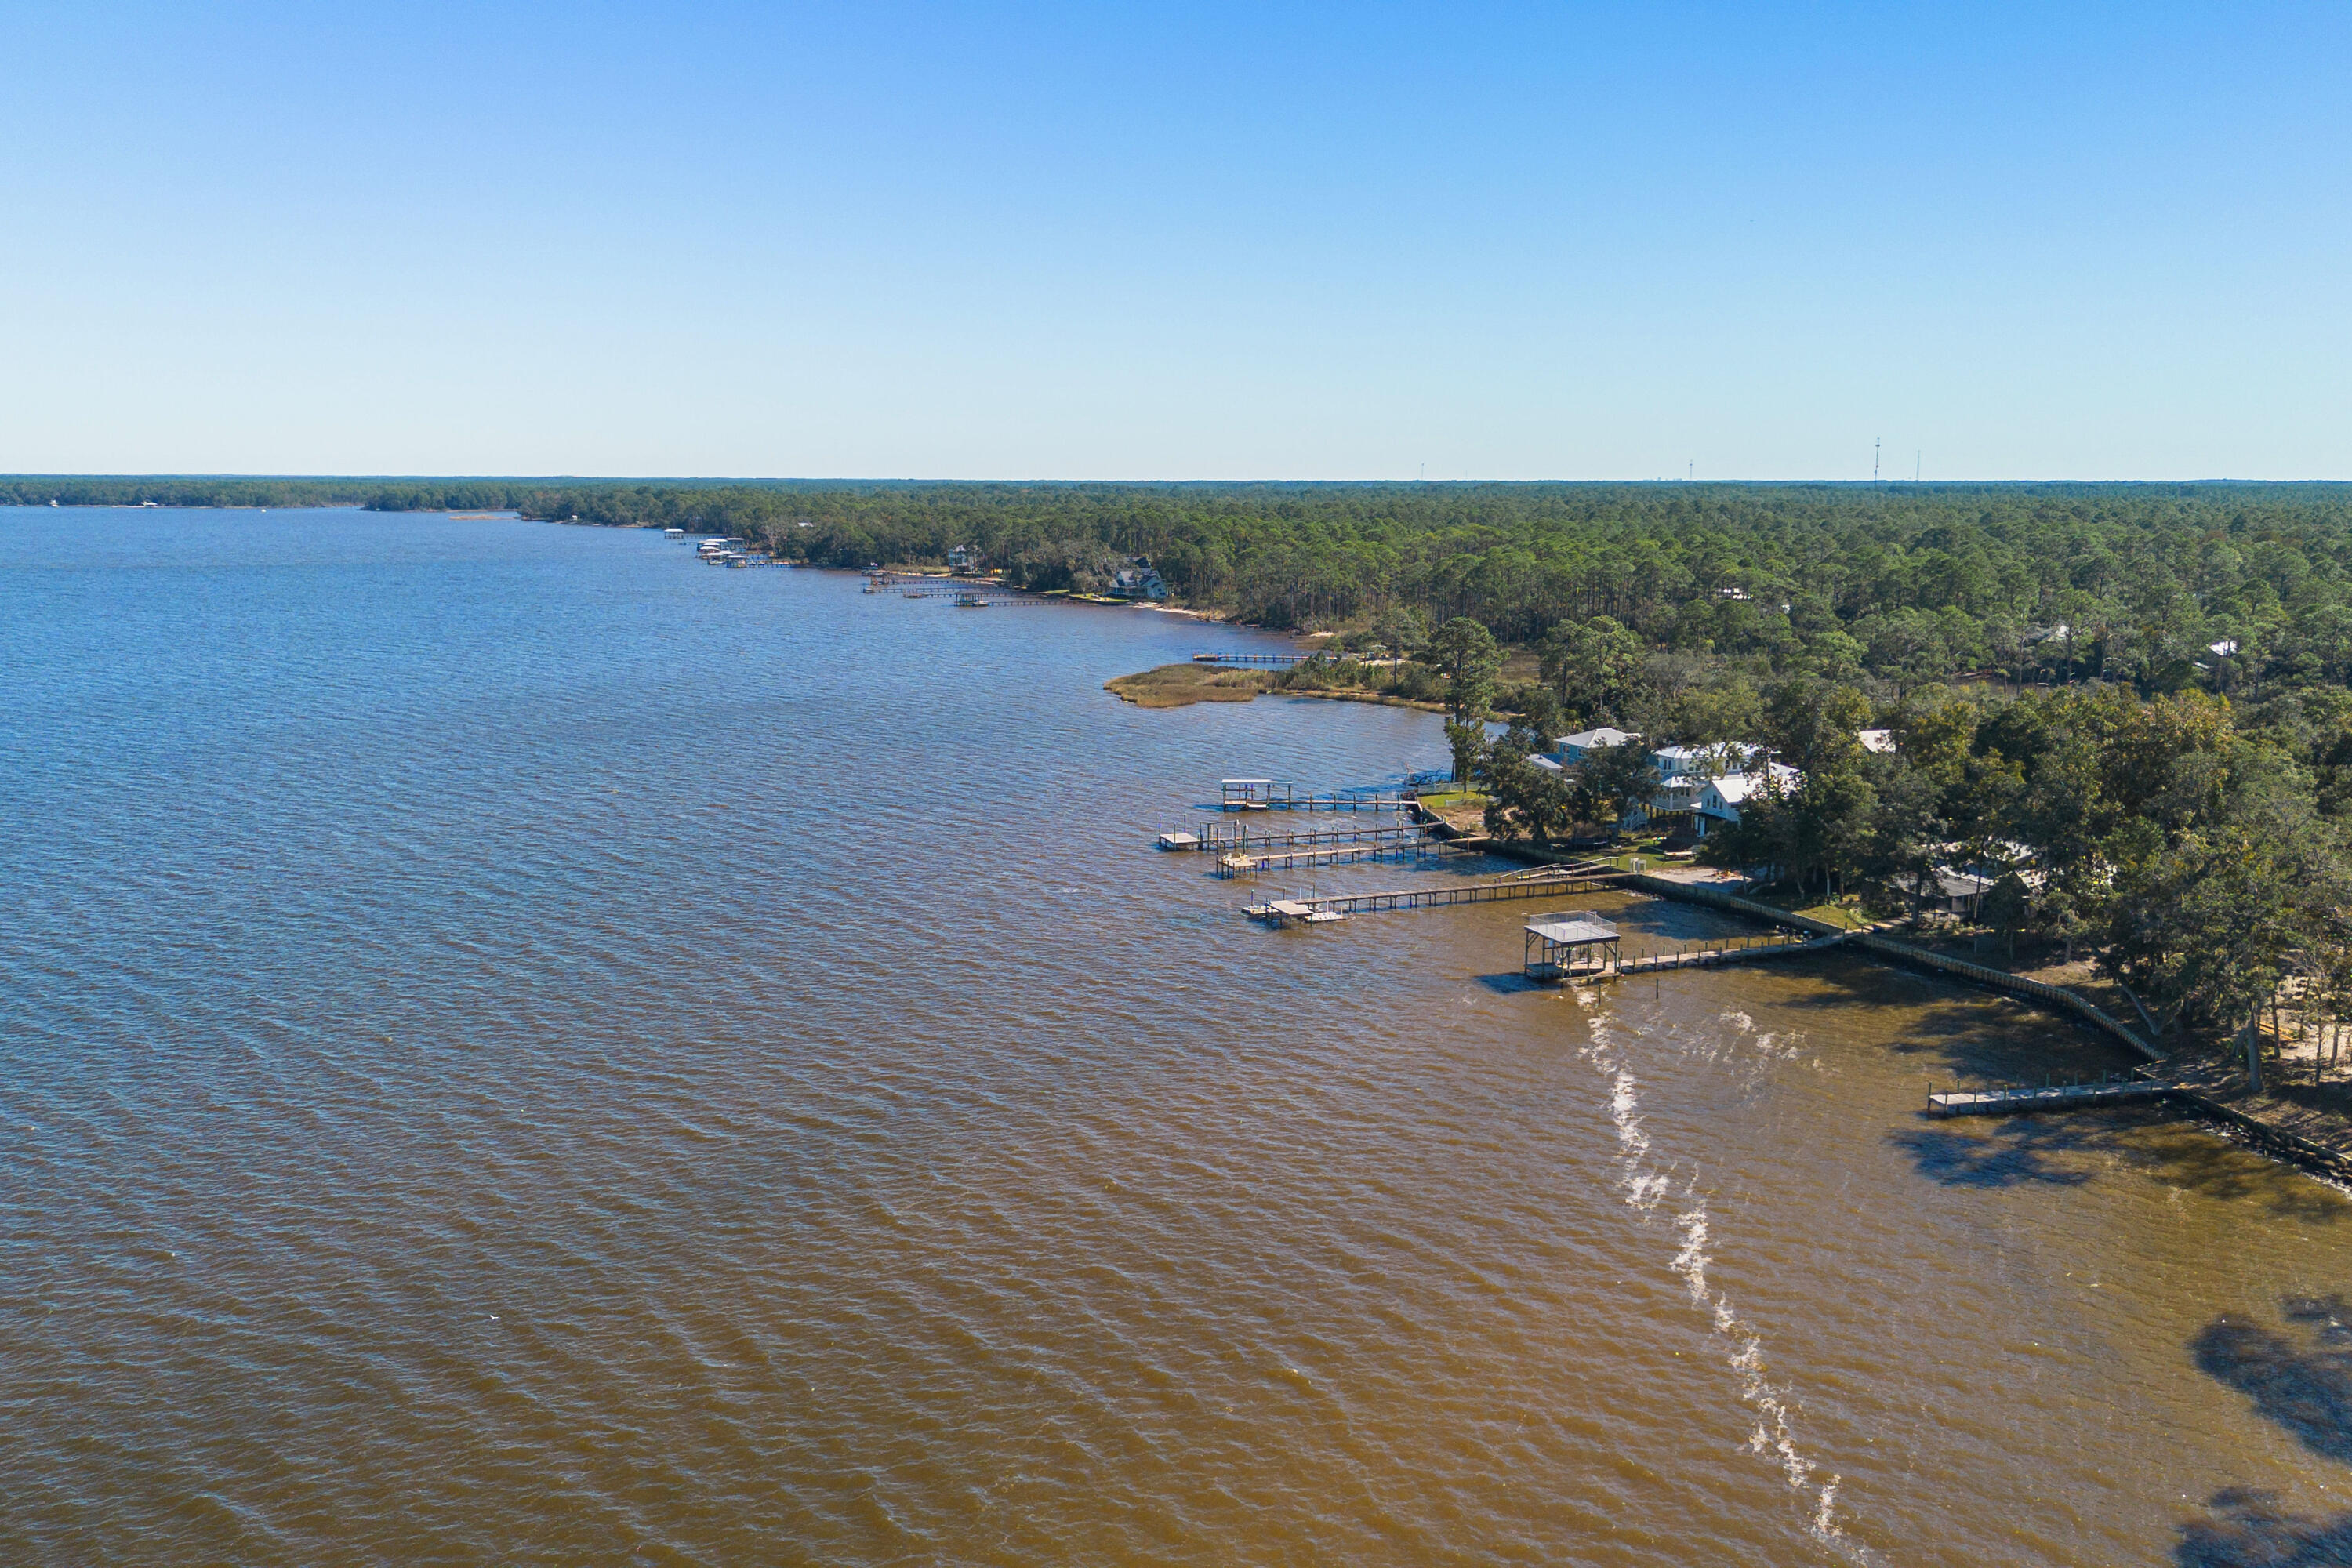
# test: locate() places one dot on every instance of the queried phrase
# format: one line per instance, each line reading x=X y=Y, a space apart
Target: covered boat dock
x=1571 y=946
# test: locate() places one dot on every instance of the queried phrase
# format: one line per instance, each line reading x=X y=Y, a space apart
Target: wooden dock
x=1291 y=911
x=2083 y=1096
x=1261 y=660
x=1242 y=863
x=1524 y=885
x=1212 y=842
x=1331 y=803
x=1273 y=795
x=988 y=596
x=1720 y=951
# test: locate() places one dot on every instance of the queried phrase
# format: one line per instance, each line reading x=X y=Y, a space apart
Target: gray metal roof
x=1572 y=930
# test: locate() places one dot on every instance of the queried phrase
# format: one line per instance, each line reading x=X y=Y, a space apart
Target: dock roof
x=1572 y=930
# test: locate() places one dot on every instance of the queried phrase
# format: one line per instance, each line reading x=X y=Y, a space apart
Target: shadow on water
x=1967 y=1159
x=2251 y=1531
x=2299 y=1379
x=1512 y=984
x=2067 y=1150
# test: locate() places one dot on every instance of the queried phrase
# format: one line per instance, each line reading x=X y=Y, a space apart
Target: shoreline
x=2210 y=1090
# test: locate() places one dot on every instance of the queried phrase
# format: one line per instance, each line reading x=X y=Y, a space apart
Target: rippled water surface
x=516 y=1048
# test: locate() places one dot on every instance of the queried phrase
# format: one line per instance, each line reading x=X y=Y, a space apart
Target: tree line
x=1896 y=584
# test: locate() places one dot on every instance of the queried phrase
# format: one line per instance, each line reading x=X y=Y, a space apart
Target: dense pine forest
x=2129 y=702
x=1898 y=583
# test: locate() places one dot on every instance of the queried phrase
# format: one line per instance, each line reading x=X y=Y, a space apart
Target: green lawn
x=1851 y=916
x=1454 y=800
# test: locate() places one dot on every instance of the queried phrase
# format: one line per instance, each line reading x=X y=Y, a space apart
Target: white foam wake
x=1645 y=1186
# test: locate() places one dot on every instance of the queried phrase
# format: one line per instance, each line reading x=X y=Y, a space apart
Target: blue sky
x=1128 y=241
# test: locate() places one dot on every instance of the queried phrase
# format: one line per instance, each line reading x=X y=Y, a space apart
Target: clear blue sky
x=1198 y=241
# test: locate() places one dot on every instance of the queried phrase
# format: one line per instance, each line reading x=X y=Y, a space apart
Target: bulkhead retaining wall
x=2057 y=996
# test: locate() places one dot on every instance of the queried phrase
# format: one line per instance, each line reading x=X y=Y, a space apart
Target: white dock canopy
x=1564 y=946
x=1572 y=931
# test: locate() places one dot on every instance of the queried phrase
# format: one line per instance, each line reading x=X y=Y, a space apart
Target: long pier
x=1212 y=842
x=991 y=596
x=1243 y=864
x=2049 y=1096
x=1263 y=660
x=1281 y=911
x=1322 y=802
x=930 y=585
x=1273 y=794
x=1736 y=950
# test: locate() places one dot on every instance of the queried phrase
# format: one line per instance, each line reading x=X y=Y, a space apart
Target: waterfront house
x=1960 y=877
x=1137 y=579
x=1876 y=739
x=1568 y=750
x=1944 y=891
x=1720 y=801
x=1685 y=774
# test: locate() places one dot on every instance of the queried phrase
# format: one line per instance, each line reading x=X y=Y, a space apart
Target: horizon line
x=128 y=476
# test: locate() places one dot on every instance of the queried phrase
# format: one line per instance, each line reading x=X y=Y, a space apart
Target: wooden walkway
x=1524 y=885
x=1734 y=950
x=994 y=595
x=1243 y=864
x=1321 y=803
x=2049 y=1096
x=1212 y=842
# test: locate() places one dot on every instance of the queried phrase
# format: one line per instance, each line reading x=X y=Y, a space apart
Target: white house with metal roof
x=1570 y=750
x=1708 y=782
x=1723 y=798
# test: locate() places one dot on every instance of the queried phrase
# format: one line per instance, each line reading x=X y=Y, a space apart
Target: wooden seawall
x=1886 y=947
x=2187 y=1091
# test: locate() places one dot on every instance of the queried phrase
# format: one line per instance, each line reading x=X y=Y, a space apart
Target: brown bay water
x=519 y=1049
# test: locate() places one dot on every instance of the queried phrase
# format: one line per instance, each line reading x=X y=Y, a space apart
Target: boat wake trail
x=1645 y=1186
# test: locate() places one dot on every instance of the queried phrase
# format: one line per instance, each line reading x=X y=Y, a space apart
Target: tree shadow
x=1957 y=1029
x=2015 y=1155
x=2251 y=1532
x=2065 y=1149
x=2334 y=1097
x=2195 y=1157
x=2300 y=1380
